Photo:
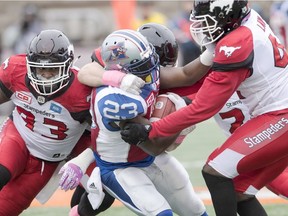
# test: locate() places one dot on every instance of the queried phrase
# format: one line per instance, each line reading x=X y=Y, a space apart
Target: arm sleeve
x=216 y=90
x=6 y=78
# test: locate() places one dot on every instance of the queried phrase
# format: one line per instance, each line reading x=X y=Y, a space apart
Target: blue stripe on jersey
x=135 y=38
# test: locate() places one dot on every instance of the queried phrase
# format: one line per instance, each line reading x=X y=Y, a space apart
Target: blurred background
x=87 y=23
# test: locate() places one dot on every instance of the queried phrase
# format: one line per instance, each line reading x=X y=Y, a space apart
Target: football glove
x=132 y=84
x=127 y=82
x=71 y=176
x=207 y=56
x=135 y=133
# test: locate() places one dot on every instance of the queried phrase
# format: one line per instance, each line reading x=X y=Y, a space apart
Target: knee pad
x=5 y=176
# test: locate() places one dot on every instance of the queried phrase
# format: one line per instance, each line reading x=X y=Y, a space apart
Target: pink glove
x=71 y=176
x=74 y=211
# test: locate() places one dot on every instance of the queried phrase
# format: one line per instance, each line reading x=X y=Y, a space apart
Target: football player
x=48 y=120
x=231 y=116
x=50 y=116
x=119 y=163
x=243 y=42
x=166 y=47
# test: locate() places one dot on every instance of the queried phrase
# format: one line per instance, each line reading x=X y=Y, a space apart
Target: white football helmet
x=212 y=19
x=130 y=52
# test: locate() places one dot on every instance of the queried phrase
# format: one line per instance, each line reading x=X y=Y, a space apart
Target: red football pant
x=256 y=153
x=29 y=174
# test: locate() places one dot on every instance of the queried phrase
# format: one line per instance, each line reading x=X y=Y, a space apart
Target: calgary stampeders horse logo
x=228 y=51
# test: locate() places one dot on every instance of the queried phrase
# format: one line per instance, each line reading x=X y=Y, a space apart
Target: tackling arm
x=94 y=75
x=91 y=74
x=187 y=75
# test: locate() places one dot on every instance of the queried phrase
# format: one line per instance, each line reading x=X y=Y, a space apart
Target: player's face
x=46 y=73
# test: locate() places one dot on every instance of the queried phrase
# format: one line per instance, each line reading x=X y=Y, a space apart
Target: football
x=163 y=107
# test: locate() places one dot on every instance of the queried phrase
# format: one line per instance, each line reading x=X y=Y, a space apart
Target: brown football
x=163 y=107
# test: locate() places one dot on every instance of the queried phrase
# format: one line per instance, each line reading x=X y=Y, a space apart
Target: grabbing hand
x=71 y=176
x=206 y=58
x=178 y=101
x=135 y=133
x=132 y=84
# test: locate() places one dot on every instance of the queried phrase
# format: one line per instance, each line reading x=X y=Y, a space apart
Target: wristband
x=206 y=58
x=112 y=78
x=84 y=159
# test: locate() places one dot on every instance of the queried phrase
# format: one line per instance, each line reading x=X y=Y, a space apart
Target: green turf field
x=272 y=210
x=192 y=153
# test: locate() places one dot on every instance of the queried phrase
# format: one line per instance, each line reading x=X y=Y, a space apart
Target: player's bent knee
x=5 y=176
x=242 y=197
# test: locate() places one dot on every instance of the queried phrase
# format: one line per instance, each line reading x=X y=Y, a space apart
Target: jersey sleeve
x=96 y=56
x=234 y=51
x=215 y=91
x=6 y=77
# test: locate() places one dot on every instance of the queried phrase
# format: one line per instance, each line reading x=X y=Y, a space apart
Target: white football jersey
x=111 y=105
x=49 y=130
x=233 y=114
x=266 y=88
x=50 y=126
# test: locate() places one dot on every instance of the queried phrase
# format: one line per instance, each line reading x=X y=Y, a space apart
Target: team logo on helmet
x=225 y=5
x=118 y=51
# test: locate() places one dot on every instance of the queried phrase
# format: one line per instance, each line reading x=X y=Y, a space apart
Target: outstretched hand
x=71 y=176
x=135 y=133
